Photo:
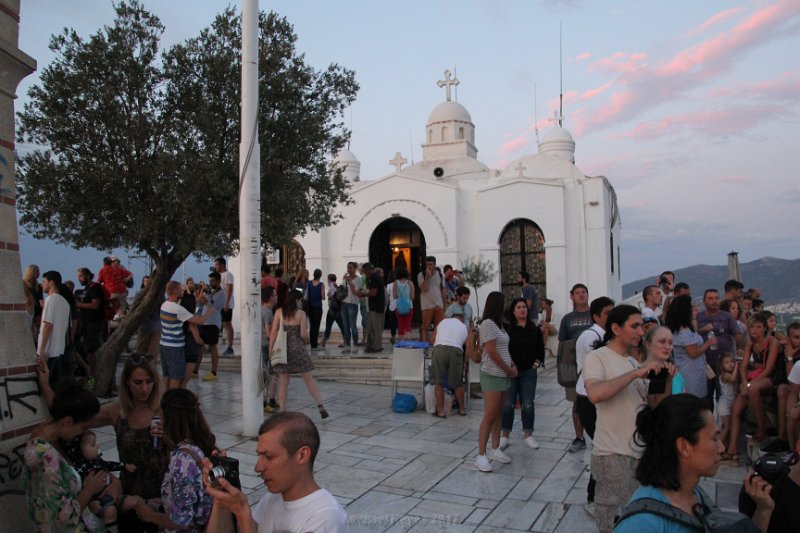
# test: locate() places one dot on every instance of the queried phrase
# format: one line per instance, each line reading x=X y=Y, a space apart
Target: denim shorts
x=490 y=383
x=173 y=362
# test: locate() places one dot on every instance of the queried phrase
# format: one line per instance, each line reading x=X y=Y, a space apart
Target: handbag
x=278 y=354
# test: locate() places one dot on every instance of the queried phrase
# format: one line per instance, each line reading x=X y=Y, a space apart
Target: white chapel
x=540 y=214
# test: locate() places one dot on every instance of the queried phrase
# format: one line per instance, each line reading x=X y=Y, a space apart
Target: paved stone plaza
x=414 y=472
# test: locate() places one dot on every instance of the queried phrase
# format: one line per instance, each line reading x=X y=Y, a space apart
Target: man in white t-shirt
x=448 y=361
x=288 y=443
x=55 y=323
x=652 y=301
x=226 y=282
x=587 y=340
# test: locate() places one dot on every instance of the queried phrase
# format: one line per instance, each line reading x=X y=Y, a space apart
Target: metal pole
x=249 y=278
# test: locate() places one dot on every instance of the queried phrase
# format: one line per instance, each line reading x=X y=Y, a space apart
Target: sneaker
x=229 y=351
x=268 y=409
x=483 y=464
x=499 y=456
x=211 y=376
x=589 y=508
x=577 y=445
x=531 y=442
x=504 y=443
x=346 y=350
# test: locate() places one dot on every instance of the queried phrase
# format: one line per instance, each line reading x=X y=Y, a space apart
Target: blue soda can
x=156 y=440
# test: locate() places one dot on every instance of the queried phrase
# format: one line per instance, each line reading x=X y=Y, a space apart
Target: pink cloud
x=639 y=87
x=719 y=18
x=583 y=57
x=721 y=122
x=785 y=87
x=513 y=145
x=619 y=62
x=573 y=97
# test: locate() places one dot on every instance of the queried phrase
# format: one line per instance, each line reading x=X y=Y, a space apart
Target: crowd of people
x=663 y=392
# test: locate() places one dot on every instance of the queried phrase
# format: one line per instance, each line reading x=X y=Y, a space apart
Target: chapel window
x=444 y=133
x=460 y=133
x=522 y=249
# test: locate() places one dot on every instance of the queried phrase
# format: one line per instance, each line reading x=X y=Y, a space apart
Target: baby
x=87 y=459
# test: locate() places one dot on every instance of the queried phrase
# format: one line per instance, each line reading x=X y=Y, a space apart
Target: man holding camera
x=288 y=443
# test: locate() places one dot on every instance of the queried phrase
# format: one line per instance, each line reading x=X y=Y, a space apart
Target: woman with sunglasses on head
x=131 y=415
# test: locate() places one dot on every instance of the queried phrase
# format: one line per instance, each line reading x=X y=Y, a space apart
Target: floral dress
x=51 y=488
x=185 y=501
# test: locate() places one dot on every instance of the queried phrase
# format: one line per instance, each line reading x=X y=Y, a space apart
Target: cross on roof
x=398 y=161
x=556 y=118
x=520 y=168
x=447 y=82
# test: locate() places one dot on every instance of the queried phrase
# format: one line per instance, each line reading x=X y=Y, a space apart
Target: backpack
x=338 y=297
x=566 y=363
x=705 y=518
x=404 y=304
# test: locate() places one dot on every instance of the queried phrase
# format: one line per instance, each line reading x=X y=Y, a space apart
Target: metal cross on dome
x=520 y=168
x=556 y=118
x=398 y=161
x=447 y=82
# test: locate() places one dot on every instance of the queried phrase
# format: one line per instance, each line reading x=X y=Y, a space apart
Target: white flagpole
x=249 y=306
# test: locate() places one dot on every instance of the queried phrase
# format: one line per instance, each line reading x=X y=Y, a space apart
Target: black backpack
x=335 y=303
x=705 y=519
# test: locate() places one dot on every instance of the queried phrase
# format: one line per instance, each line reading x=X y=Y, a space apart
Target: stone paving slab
x=414 y=472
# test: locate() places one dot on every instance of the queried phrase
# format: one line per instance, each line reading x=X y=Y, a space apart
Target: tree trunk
x=142 y=309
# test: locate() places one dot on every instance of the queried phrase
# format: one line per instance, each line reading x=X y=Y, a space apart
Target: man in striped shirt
x=173 y=315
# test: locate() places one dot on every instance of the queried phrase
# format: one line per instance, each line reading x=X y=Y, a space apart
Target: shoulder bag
x=278 y=354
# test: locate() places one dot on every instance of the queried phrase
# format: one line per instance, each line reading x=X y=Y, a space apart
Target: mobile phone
x=658 y=381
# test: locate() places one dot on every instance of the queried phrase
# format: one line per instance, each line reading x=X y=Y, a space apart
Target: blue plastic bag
x=404 y=403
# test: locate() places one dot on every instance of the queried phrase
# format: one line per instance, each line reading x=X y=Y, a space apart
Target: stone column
x=21 y=406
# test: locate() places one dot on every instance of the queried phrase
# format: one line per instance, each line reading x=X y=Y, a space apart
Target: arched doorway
x=398 y=241
x=522 y=249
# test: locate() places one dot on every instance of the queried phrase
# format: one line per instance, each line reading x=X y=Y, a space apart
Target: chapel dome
x=349 y=163
x=558 y=142
x=449 y=110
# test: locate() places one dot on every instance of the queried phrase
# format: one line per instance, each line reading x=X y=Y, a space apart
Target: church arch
x=395 y=242
x=431 y=225
x=522 y=249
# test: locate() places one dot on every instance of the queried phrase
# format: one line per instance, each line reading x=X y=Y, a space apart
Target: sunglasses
x=138 y=359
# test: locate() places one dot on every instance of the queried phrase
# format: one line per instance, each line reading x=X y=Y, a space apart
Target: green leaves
x=140 y=149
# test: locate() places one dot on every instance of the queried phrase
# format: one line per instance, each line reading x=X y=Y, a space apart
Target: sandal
x=437 y=415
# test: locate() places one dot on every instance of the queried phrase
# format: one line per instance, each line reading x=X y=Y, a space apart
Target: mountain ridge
x=776 y=278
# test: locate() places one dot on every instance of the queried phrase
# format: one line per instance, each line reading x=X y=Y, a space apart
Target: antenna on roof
x=455 y=75
x=560 y=79
x=411 y=145
x=535 y=117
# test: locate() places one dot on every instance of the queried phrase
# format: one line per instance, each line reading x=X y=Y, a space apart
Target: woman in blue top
x=682 y=445
x=688 y=346
x=658 y=346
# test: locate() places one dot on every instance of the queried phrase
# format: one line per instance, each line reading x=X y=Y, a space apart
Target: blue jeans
x=349 y=316
x=524 y=387
x=330 y=318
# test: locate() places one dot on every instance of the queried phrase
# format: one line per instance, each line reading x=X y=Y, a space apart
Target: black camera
x=775 y=468
x=658 y=381
x=664 y=280
x=224 y=467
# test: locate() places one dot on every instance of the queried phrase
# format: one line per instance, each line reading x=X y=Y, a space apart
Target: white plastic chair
x=408 y=364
